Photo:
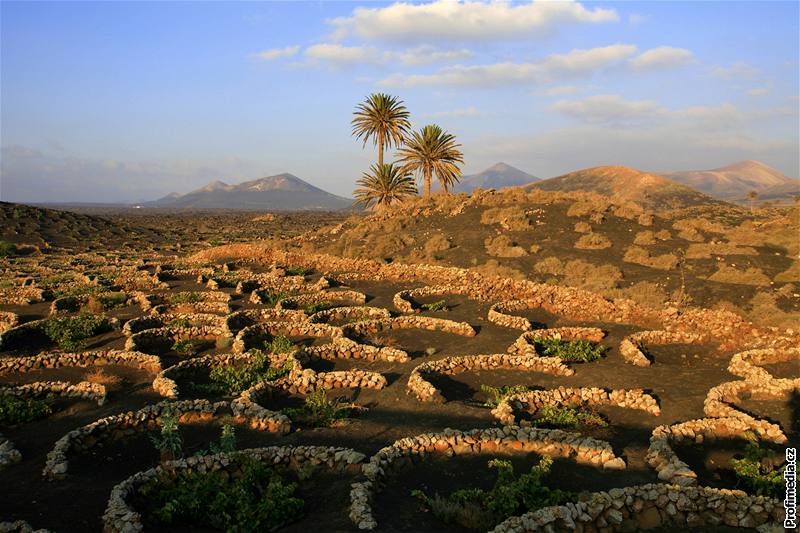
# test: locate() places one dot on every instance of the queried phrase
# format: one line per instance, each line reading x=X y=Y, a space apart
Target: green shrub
x=567 y=416
x=233 y=380
x=186 y=298
x=297 y=271
x=226 y=444
x=272 y=298
x=475 y=508
x=279 y=344
x=20 y=410
x=180 y=323
x=258 y=500
x=319 y=411
x=757 y=472
x=7 y=249
x=70 y=332
x=576 y=351
x=498 y=394
x=441 y=305
x=310 y=309
x=183 y=346
x=168 y=441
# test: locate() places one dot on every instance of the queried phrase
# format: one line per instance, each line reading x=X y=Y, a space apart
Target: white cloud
x=339 y=56
x=468 y=112
x=467 y=20
x=561 y=90
x=662 y=57
x=608 y=109
x=276 y=53
x=757 y=91
x=736 y=71
x=573 y=64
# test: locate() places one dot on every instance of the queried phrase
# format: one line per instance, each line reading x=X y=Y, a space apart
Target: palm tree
x=753 y=196
x=384 y=185
x=432 y=151
x=382 y=118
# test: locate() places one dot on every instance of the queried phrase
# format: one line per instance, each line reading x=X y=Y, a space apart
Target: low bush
x=493 y=268
x=510 y=218
x=440 y=305
x=319 y=411
x=310 y=309
x=257 y=500
x=20 y=410
x=511 y=495
x=297 y=271
x=498 y=394
x=748 y=276
x=186 y=298
x=101 y=377
x=69 y=333
x=7 y=249
x=235 y=379
x=566 y=416
x=503 y=246
x=593 y=241
x=582 y=227
x=184 y=346
x=640 y=256
x=573 y=351
x=168 y=440
x=272 y=298
x=758 y=472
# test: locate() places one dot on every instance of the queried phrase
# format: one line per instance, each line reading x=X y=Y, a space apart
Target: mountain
x=651 y=190
x=735 y=181
x=494 y=177
x=281 y=192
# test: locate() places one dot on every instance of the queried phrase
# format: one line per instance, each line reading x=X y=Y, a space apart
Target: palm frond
x=432 y=152
x=384 y=185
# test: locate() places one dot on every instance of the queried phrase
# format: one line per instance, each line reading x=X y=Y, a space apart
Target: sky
x=124 y=102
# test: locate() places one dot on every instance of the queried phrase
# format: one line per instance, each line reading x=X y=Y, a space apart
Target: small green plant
x=441 y=305
x=183 y=346
x=310 y=309
x=498 y=394
x=257 y=500
x=756 y=470
x=113 y=300
x=279 y=344
x=476 y=508
x=7 y=249
x=297 y=271
x=226 y=443
x=20 y=410
x=319 y=411
x=186 y=298
x=69 y=333
x=233 y=380
x=272 y=298
x=179 y=323
x=567 y=416
x=575 y=351
x=168 y=441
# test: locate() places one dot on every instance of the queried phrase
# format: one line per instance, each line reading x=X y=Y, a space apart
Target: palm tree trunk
x=427 y=175
x=380 y=149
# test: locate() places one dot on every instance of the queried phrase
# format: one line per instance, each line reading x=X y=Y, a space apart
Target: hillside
x=283 y=192
x=735 y=181
x=495 y=177
x=709 y=254
x=628 y=184
x=45 y=228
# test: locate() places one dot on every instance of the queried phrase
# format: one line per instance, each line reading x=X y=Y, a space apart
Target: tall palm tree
x=382 y=118
x=384 y=185
x=433 y=151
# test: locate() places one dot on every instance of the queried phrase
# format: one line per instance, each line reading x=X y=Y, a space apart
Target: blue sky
x=117 y=101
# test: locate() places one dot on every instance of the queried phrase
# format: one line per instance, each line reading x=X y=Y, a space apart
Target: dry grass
x=437 y=243
x=593 y=241
x=629 y=211
x=493 y=268
x=589 y=207
x=583 y=227
x=503 y=246
x=591 y=277
x=644 y=238
x=640 y=256
x=663 y=235
x=764 y=310
x=101 y=377
x=707 y=250
x=549 y=265
x=790 y=274
x=510 y=218
x=730 y=274
x=646 y=293
x=645 y=219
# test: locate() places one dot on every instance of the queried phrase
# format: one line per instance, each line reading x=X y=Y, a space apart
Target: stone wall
x=12 y=365
x=84 y=390
x=633 y=346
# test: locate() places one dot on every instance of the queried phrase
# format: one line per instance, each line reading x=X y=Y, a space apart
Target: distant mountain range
x=626 y=183
x=495 y=177
x=280 y=192
x=733 y=182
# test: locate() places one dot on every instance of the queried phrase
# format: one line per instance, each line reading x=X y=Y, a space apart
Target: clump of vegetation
x=7 y=249
x=183 y=346
x=498 y=394
x=297 y=271
x=279 y=344
x=510 y=218
x=235 y=379
x=20 y=410
x=272 y=298
x=730 y=274
x=226 y=443
x=593 y=241
x=186 y=298
x=567 y=416
x=503 y=246
x=640 y=256
x=69 y=333
x=100 y=376
x=511 y=495
x=757 y=471
x=646 y=293
x=439 y=305
x=106 y=301
x=319 y=411
x=574 y=351
x=257 y=500
x=493 y=268
x=310 y=309
x=168 y=440
x=179 y=323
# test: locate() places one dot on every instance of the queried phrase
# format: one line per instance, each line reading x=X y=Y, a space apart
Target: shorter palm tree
x=432 y=151
x=384 y=185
